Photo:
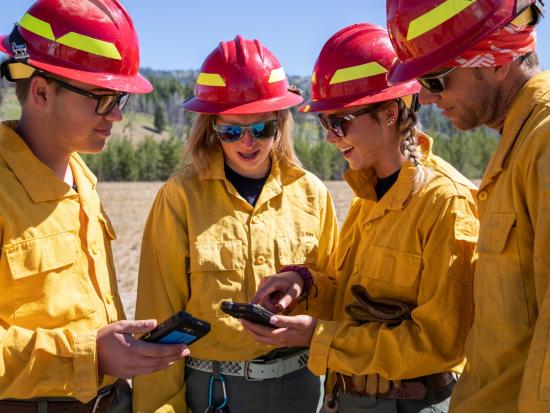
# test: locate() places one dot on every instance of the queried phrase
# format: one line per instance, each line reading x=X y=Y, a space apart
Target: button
x=109 y=299
x=483 y=195
x=255 y=219
x=94 y=249
x=368 y=226
x=260 y=260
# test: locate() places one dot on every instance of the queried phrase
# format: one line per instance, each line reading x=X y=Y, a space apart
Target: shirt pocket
x=499 y=289
x=48 y=290
x=217 y=256
x=216 y=273
x=389 y=272
x=300 y=250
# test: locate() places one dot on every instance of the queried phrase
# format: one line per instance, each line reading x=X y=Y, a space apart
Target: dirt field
x=128 y=205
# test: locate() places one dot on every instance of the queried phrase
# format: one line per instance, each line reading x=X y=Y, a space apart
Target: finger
x=135 y=326
x=156 y=350
x=257 y=328
x=383 y=385
x=147 y=369
x=269 y=340
x=372 y=384
x=266 y=289
x=285 y=321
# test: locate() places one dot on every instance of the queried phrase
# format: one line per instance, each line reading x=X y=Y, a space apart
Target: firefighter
x=242 y=209
x=63 y=345
x=478 y=63
x=402 y=270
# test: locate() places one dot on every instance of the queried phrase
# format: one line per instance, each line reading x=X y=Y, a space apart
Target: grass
x=128 y=204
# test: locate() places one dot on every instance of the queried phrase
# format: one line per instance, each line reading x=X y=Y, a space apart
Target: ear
x=41 y=92
x=390 y=113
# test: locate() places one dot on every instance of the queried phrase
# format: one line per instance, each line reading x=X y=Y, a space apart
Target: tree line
x=153 y=159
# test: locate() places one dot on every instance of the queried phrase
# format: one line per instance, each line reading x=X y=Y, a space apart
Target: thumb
x=284 y=321
x=136 y=326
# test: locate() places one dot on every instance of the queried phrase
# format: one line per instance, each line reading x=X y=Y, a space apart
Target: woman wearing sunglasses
x=392 y=312
x=242 y=210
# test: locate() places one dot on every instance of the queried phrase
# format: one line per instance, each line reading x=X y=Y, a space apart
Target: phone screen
x=177 y=337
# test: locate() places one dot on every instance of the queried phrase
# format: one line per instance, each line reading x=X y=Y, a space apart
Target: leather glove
x=385 y=310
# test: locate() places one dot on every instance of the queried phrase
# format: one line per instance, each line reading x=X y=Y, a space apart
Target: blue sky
x=177 y=34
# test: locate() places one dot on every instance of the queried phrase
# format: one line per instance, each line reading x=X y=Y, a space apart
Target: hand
x=121 y=355
x=377 y=384
x=277 y=292
x=291 y=331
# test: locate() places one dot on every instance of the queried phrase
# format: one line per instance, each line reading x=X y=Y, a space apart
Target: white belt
x=254 y=370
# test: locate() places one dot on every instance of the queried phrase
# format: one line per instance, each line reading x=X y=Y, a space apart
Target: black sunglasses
x=336 y=124
x=435 y=83
x=259 y=130
x=105 y=103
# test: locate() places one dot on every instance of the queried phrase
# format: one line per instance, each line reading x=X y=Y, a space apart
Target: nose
x=248 y=139
x=425 y=97
x=115 y=115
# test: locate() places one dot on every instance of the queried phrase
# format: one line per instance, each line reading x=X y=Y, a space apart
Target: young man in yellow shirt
x=63 y=343
x=476 y=61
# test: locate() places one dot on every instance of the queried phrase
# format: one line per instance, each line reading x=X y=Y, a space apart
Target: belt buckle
x=100 y=396
x=246 y=372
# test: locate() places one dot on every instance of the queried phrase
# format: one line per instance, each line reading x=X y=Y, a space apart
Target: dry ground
x=128 y=204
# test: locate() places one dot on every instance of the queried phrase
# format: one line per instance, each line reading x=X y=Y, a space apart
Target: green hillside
x=148 y=143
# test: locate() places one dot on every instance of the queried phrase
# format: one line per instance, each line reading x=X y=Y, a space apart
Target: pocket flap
x=217 y=256
x=496 y=231
x=39 y=255
x=392 y=266
x=103 y=218
x=301 y=250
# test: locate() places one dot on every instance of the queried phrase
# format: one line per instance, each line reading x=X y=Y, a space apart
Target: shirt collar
x=363 y=182
x=37 y=178
x=531 y=94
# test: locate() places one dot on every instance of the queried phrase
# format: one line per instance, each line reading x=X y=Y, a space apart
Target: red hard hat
x=428 y=34
x=239 y=77
x=351 y=70
x=90 y=41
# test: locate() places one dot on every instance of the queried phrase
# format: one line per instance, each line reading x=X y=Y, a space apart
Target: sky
x=179 y=34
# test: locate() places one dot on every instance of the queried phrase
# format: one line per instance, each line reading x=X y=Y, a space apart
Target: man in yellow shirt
x=476 y=60
x=62 y=345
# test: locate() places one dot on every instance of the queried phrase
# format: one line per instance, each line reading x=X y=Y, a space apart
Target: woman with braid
x=387 y=321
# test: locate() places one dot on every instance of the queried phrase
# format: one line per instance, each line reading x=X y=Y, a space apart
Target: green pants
x=299 y=391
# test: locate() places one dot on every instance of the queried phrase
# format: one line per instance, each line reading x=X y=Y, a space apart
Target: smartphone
x=251 y=312
x=181 y=328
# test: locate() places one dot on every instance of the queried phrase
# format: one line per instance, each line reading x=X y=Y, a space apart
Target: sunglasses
x=336 y=124
x=105 y=103
x=259 y=130
x=435 y=83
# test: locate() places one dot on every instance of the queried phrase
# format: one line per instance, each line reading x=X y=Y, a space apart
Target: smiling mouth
x=346 y=149
x=249 y=155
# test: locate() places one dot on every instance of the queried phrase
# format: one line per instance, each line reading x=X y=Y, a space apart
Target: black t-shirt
x=249 y=188
x=384 y=184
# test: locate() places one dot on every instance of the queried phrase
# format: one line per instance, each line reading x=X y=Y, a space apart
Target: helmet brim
x=238 y=108
x=122 y=83
x=392 y=92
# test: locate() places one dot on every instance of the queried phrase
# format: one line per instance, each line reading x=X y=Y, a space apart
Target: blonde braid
x=407 y=123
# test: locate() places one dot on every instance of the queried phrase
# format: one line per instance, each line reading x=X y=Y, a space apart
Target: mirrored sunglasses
x=259 y=130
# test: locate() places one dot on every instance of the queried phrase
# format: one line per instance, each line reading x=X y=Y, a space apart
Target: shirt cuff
x=85 y=366
x=320 y=346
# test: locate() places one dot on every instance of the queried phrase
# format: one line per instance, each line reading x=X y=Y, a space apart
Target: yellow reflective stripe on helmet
x=436 y=17
x=357 y=72
x=277 y=75
x=210 y=79
x=37 y=26
x=74 y=40
x=90 y=45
